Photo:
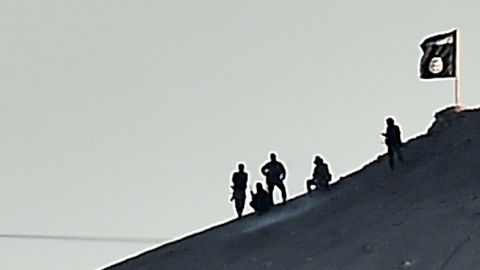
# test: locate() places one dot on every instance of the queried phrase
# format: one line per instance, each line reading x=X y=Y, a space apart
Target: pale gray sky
x=125 y=119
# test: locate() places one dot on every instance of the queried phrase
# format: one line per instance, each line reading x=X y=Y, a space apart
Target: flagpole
x=458 y=106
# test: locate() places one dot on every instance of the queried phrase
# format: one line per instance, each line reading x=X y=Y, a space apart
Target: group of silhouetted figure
x=275 y=173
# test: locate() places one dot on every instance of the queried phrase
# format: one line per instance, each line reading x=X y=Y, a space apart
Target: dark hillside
x=423 y=215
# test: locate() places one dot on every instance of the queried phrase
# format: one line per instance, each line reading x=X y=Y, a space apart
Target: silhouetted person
x=320 y=176
x=275 y=173
x=239 y=180
x=260 y=201
x=393 y=140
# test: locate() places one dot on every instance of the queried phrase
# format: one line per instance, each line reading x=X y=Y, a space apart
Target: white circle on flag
x=436 y=65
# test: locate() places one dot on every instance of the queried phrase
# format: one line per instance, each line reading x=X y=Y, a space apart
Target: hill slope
x=423 y=215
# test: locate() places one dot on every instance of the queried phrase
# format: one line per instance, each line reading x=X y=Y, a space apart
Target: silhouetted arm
x=264 y=169
x=233 y=194
x=284 y=172
x=329 y=175
x=233 y=181
x=233 y=186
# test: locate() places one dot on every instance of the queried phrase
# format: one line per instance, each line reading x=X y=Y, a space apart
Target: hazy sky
x=126 y=118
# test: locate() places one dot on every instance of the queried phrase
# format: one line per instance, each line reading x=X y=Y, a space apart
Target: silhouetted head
x=241 y=167
x=318 y=160
x=273 y=157
x=390 y=121
x=259 y=186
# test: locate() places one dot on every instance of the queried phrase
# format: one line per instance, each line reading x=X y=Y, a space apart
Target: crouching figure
x=260 y=200
x=321 y=176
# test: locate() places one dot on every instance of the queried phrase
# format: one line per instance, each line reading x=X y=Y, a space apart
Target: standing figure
x=393 y=140
x=260 y=201
x=239 y=180
x=321 y=175
x=275 y=173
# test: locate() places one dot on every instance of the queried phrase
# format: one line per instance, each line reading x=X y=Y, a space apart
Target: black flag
x=439 y=53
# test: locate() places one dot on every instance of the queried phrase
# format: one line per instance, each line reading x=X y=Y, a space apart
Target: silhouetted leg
x=270 y=192
x=239 y=205
x=253 y=205
x=310 y=183
x=321 y=184
x=390 y=157
x=326 y=185
x=282 y=188
x=400 y=155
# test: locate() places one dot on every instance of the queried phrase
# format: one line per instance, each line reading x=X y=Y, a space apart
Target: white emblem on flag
x=447 y=40
x=436 y=65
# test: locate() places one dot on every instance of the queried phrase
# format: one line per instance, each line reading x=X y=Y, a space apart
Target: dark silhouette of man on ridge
x=393 y=140
x=275 y=173
x=239 y=180
x=320 y=176
x=260 y=201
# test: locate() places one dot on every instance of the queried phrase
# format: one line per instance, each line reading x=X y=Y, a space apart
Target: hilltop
x=423 y=215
